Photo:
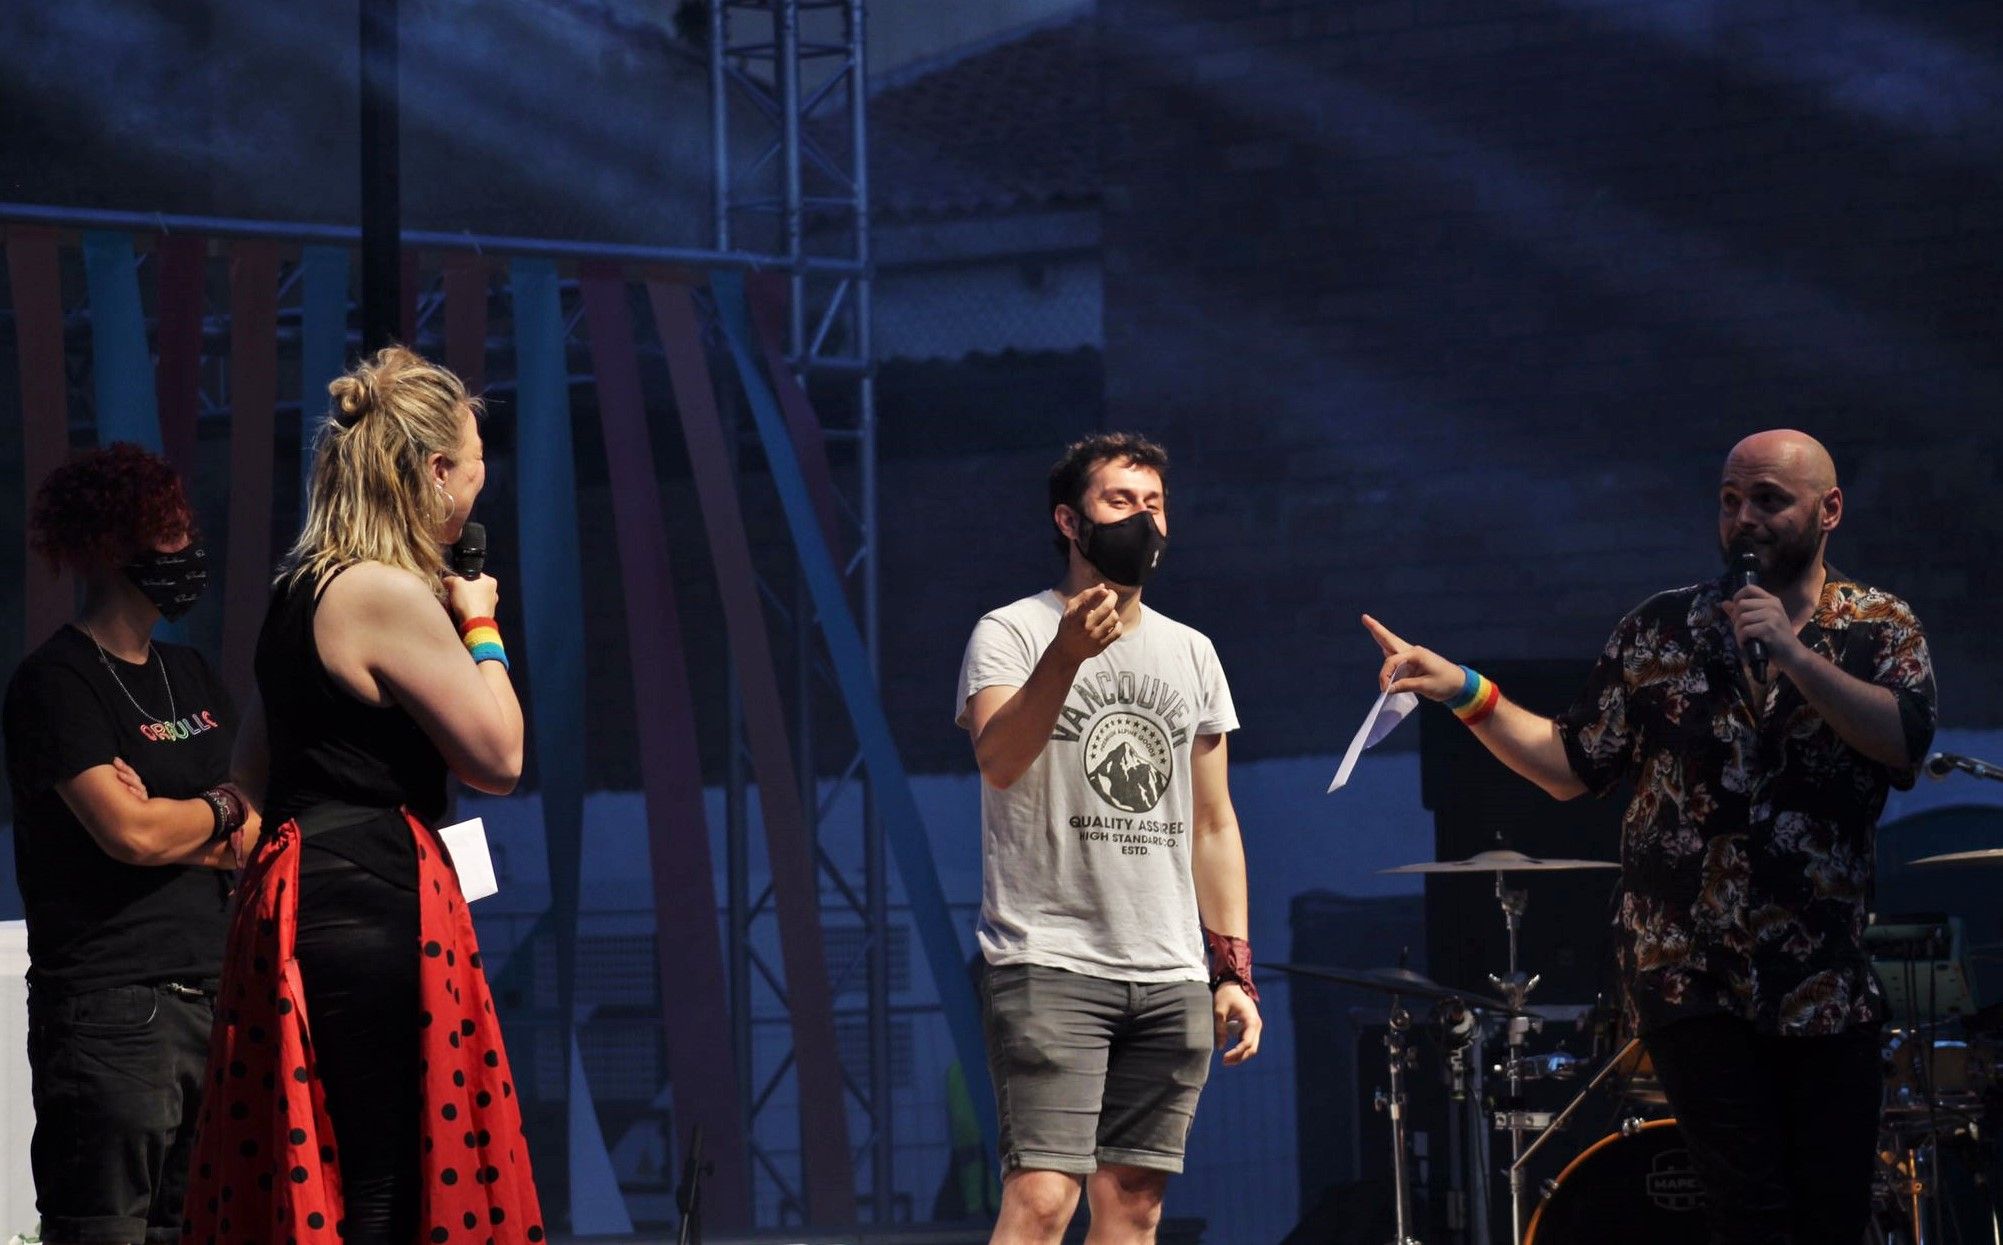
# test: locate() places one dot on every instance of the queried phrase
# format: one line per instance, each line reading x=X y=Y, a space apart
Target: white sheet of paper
x=467 y=842
x=1383 y=718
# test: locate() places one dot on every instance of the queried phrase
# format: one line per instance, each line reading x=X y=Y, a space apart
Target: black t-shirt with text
x=94 y=921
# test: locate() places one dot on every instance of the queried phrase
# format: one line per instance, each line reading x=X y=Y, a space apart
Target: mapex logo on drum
x=1672 y=1182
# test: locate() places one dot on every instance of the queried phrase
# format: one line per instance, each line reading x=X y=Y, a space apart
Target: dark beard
x=1784 y=562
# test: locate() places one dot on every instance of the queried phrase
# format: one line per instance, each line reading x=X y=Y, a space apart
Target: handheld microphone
x=468 y=555
x=1745 y=573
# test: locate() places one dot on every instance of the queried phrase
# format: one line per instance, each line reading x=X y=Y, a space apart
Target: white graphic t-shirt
x=1085 y=859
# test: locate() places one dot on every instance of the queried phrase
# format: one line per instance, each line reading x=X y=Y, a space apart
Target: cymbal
x=1983 y=856
x=1500 y=861
x=1389 y=981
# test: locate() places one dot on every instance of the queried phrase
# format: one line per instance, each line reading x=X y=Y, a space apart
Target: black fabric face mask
x=173 y=582
x=1128 y=552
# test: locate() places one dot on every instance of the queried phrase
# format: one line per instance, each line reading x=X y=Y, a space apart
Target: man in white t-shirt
x=1110 y=860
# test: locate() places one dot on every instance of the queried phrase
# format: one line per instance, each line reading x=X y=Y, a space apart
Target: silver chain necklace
x=105 y=658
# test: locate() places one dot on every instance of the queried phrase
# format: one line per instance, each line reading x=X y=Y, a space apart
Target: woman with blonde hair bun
x=360 y=1093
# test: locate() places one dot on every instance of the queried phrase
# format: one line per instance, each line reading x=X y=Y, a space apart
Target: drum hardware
x=1909 y=1171
x=1460 y=1031
x=1919 y=960
x=1392 y=981
x=1398 y=1058
x=1559 y=1065
x=1636 y=1185
x=1514 y=985
x=1551 y=1125
x=1938 y=1063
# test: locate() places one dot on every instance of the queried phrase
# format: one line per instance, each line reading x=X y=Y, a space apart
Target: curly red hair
x=107 y=505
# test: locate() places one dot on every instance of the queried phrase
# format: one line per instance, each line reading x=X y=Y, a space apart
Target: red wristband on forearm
x=1230 y=960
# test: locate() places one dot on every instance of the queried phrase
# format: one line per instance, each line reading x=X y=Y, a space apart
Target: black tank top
x=328 y=748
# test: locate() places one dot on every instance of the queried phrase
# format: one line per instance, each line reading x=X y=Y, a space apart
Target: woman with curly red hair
x=125 y=823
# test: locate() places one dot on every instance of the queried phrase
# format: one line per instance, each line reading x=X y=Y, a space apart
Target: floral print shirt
x=1747 y=849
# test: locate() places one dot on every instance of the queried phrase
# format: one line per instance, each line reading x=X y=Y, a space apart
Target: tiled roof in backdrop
x=1013 y=125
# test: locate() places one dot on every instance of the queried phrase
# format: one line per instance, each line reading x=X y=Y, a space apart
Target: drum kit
x=1943 y=1086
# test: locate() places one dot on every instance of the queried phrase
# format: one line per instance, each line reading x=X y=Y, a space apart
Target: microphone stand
x=1941 y=764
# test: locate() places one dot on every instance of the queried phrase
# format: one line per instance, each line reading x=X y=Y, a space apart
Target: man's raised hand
x=1090 y=624
x=1424 y=671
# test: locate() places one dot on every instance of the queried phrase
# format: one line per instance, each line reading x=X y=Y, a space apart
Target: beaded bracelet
x=1478 y=697
x=482 y=637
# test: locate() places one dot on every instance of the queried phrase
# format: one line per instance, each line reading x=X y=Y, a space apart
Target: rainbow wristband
x=482 y=637
x=1478 y=697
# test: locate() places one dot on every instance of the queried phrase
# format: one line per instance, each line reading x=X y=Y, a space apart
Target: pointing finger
x=1386 y=640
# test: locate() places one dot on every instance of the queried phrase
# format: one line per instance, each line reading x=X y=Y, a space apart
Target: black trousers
x=116 y=1078
x=1782 y=1130
x=357 y=950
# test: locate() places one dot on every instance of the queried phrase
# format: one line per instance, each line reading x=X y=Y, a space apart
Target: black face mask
x=1128 y=552
x=173 y=582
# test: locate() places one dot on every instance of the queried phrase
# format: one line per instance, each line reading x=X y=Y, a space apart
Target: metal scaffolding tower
x=789 y=100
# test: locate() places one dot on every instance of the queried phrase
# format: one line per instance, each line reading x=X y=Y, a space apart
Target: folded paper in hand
x=466 y=843
x=1383 y=718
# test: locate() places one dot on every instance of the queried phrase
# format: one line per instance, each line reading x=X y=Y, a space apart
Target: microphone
x=1745 y=573
x=468 y=554
x=1939 y=765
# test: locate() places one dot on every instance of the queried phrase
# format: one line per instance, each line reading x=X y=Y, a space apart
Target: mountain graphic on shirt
x=1127 y=780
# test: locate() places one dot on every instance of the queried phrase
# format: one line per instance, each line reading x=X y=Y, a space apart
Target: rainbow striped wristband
x=1478 y=697
x=482 y=637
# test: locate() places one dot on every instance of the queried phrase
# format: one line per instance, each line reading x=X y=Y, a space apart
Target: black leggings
x=357 y=951
x=1782 y=1130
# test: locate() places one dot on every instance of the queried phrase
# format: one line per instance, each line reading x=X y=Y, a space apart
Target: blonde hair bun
x=353 y=394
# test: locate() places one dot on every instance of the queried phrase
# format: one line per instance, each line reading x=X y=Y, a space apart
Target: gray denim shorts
x=1090 y=1071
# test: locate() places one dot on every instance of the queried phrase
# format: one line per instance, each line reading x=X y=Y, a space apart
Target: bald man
x=1746 y=849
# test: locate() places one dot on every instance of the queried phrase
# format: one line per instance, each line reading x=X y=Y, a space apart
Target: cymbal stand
x=1479 y=1138
x=1460 y=1029
x=1515 y=987
x=1915 y=1169
x=1397 y=1035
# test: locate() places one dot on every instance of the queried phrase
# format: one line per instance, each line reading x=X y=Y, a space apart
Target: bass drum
x=1638 y=1185
x=1639 y=1179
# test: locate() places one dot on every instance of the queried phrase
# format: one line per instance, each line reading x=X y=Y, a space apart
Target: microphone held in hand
x=1746 y=574
x=468 y=555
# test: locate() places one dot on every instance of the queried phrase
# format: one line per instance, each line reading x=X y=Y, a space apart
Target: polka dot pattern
x=267 y=1115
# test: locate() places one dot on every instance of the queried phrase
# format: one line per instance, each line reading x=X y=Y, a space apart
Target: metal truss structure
x=789 y=116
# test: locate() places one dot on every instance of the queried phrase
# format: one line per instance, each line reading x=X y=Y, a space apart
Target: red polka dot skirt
x=266 y=1167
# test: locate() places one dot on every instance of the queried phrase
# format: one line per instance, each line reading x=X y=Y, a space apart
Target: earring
x=450 y=503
